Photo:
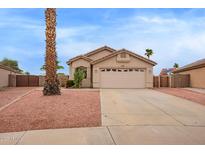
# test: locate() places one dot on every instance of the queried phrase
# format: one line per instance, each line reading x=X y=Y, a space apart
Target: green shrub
x=69 y=83
x=79 y=75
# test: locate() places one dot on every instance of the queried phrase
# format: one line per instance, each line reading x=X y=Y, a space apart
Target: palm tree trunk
x=51 y=86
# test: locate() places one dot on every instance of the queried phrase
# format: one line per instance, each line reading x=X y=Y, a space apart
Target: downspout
x=91 y=78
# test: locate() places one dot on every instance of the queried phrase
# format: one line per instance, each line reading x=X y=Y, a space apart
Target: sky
x=175 y=35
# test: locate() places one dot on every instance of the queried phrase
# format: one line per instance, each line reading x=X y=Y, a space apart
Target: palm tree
x=58 y=67
x=176 y=65
x=51 y=86
x=149 y=52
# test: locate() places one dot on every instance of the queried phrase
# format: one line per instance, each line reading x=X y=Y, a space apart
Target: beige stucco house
x=109 y=68
x=4 y=75
x=196 y=71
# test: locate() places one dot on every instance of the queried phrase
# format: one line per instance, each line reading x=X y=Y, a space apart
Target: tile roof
x=86 y=55
x=79 y=57
x=127 y=51
x=99 y=50
x=197 y=64
x=8 y=68
x=113 y=53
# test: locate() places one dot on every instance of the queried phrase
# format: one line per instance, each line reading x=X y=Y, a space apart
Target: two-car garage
x=122 y=69
x=122 y=78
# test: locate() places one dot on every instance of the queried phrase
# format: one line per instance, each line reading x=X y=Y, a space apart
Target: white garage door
x=122 y=78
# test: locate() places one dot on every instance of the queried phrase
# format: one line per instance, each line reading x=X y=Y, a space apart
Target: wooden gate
x=174 y=81
x=164 y=81
x=33 y=81
x=27 y=81
x=156 y=81
x=180 y=80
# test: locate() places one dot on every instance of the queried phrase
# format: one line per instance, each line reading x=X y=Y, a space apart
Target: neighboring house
x=108 y=68
x=196 y=71
x=4 y=75
x=167 y=71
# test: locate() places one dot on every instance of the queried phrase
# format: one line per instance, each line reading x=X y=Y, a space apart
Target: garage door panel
x=127 y=79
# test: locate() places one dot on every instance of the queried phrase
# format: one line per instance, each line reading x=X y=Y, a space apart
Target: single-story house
x=4 y=75
x=196 y=71
x=106 y=67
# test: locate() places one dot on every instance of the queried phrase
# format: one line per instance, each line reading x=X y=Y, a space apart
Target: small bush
x=69 y=83
x=79 y=75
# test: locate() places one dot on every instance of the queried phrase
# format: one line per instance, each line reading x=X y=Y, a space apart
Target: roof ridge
x=8 y=68
x=200 y=62
x=77 y=57
x=99 y=49
x=125 y=50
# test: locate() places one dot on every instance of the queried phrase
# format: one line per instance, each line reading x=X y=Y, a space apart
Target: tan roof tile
x=197 y=64
x=127 y=51
x=8 y=68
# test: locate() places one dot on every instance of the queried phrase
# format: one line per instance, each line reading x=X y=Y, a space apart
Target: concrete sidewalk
x=109 y=135
x=92 y=135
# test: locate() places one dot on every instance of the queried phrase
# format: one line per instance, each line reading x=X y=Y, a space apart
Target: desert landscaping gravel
x=73 y=108
x=9 y=94
x=184 y=93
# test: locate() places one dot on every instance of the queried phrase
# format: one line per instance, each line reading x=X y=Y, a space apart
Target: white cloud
x=168 y=37
x=72 y=48
x=67 y=32
x=157 y=20
x=19 y=22
x=194 y=43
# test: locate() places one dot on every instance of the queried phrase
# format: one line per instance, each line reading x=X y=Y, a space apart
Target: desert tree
x=11 y=63
x=51 y=86
x=176 y=65
x=149 y=52
x=58 y=66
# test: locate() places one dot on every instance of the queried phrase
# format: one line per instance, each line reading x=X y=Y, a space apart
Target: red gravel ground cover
x=184 y=93
x=73 y=108
x=9 y=94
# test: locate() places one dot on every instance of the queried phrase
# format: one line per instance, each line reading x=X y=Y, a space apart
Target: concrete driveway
x=145 y=116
